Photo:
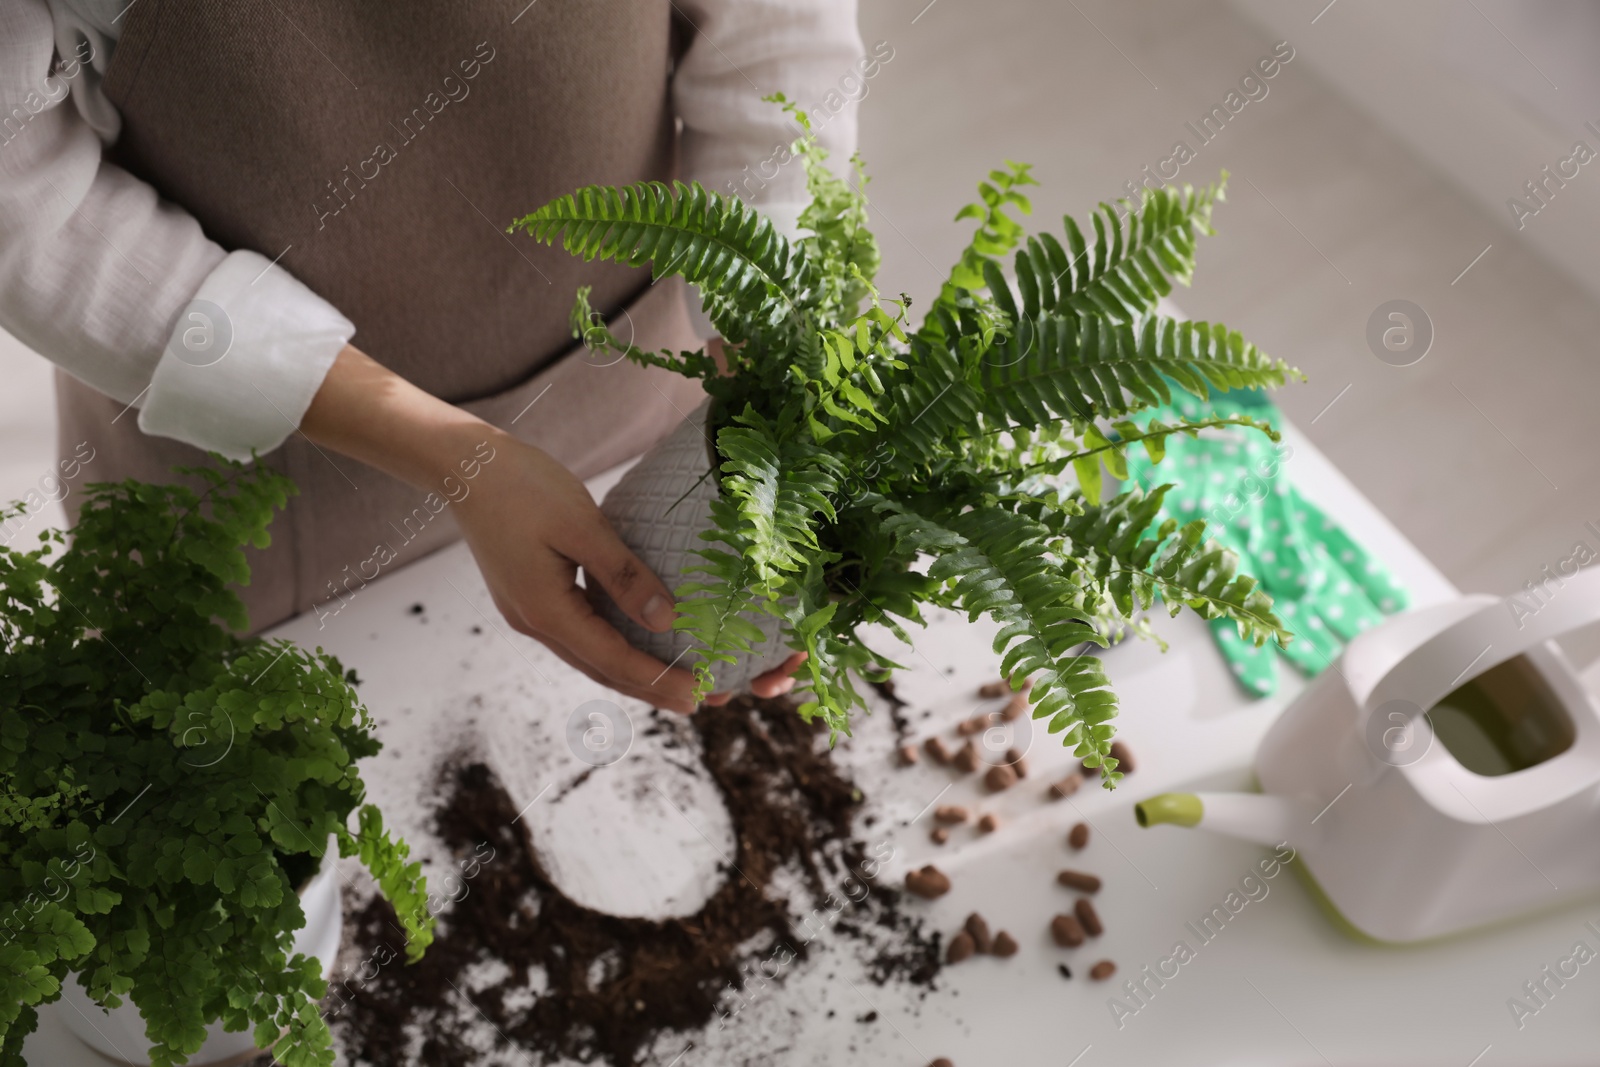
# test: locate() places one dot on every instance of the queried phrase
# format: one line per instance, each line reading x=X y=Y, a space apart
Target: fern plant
x=852 y=445
x=165 y=786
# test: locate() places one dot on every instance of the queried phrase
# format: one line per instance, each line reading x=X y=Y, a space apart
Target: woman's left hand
x=774 y=683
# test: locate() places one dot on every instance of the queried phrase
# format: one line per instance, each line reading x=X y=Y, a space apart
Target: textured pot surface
x=641 y=508
x=119 y=1035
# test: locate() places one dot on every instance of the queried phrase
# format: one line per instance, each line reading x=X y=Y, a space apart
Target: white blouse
x=96 y=269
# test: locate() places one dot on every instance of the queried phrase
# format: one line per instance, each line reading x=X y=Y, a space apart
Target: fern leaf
x=927 y=405
x=746 y=270
x=779 y=493
x=1131 y=264
x=1119 y=544
x=713 y=607
x=996 y=235
x=1082 y=368
x=830 y=655
x=1097 y=448
x=842 y=247
x=996 y=563
x=588 y=327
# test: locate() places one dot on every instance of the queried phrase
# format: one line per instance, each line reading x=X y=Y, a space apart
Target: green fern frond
x=841 y=247
x=997 y=562
x=997 y=233
x=1119 y=544
x=746 y=270
x=780 y=492
x=842 y=372
x=713 y=607
x=1130 y=265
x=1097 y=448
x=824 y=677
x=1082 y=368
x=590 y=328
x=928 y=404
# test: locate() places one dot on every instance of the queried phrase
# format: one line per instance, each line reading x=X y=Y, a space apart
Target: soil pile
x=518 y=963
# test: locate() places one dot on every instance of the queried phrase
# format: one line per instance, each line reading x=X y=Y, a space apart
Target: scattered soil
x=560 y=980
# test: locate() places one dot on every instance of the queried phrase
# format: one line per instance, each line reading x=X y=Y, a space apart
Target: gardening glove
x=1324 y=586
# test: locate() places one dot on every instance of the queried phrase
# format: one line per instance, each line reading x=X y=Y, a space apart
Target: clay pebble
x=1067 y=786
x=1084 y=909
x=1000 y=778
x=975 y=725
x=979 y=929
x=1079 y=880
x=1067 y=931
x=928 y=883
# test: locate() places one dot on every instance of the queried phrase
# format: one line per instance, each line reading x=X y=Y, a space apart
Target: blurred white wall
x=1488 y=91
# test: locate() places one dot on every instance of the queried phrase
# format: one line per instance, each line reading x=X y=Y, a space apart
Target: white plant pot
x=119 y=1034
x=641 y=508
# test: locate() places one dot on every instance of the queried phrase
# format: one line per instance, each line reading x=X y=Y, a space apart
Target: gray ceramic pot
x=654 y=517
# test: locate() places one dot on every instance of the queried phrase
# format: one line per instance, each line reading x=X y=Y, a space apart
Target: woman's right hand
x=529 y=522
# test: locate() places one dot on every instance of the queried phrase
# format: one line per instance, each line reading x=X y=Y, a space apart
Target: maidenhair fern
x=165 y=786
x=855 y=449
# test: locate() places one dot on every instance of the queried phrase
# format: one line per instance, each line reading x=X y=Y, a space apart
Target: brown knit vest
x=378 y=150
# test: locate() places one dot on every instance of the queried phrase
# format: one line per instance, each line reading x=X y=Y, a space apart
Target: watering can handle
x=1487 y=638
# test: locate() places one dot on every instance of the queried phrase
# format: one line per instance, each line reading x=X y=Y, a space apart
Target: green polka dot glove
x=1325 y=587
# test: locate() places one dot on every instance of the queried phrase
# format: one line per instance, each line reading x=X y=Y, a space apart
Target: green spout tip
x=1180 y=809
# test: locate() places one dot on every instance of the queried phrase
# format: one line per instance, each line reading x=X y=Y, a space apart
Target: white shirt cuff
x=245 y=358
x=785 y=216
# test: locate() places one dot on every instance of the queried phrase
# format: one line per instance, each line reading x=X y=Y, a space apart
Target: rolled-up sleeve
x=102 y=277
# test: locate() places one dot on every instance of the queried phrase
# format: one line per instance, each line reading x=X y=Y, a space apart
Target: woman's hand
x=529 y=522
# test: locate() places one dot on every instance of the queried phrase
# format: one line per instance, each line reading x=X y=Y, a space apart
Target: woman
x=278 y=228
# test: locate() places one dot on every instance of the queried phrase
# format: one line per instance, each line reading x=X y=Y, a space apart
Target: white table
x=1279 y=986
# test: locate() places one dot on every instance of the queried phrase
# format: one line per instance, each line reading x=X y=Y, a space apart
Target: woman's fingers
x=774 y=683
x=679 y=698
x=592 y=645
x=530 y=530
x=544 y=602
x=641 y=595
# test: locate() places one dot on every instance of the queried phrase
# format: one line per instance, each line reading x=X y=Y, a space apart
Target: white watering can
x=1442 y=774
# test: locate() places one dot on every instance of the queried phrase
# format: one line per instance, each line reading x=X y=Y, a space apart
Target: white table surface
x=1281 y=985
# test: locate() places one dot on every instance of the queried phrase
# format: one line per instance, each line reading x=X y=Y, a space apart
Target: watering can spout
x=1180 y=809
x=1264 y=819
